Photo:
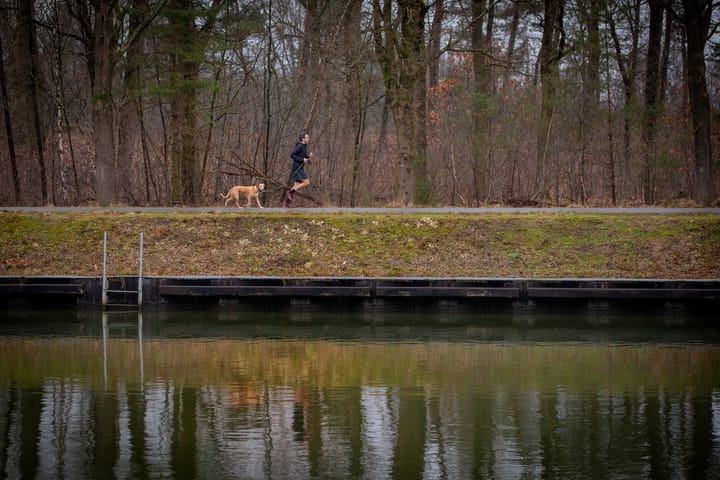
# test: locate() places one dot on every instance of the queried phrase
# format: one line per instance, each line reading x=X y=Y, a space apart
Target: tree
x=482 y=77
x=652 y=85
x=695 y=16
x=434 y=49
x=551 y=52
x=164 y=91
x=627 y=60
x=355 y=95
x=99 y=22
x=8 y=126
x=33 y=81
x=101 y=66
x=187 y=44
x=402 y=58
x=130 y=106
x=588 y=54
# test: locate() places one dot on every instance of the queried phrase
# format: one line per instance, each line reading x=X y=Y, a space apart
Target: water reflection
x=122 y=396
x=124 y=326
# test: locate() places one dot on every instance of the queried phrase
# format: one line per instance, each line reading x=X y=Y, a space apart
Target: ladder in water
x=105 y=282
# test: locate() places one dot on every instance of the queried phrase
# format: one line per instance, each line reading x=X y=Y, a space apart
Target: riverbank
x=371 y=244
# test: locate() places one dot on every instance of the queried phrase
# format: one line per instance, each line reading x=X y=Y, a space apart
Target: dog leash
x=291 y=176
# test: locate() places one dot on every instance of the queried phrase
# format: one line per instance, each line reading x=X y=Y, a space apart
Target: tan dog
x=248 y=192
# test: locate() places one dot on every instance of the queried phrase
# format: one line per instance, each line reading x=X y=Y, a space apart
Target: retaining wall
x=472 y=294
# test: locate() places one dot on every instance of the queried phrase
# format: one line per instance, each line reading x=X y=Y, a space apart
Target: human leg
x=302 y=184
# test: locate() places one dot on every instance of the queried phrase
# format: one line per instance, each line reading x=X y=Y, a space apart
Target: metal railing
x=105 y=282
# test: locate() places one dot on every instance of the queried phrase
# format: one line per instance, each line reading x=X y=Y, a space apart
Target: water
x=221 y=395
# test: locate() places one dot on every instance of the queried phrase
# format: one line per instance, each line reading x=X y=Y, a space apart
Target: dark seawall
x=395 y=294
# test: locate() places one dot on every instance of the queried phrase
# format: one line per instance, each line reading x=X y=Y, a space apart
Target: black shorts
x=300 y=175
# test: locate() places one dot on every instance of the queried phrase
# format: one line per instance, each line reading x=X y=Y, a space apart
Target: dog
x=248 y=192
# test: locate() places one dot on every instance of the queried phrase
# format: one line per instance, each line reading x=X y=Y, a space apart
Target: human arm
x=300 y=153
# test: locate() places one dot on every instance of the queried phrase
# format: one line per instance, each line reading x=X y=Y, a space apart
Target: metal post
x=140 y=346
x=140 y=280
x=104 y=277
x=105 y=337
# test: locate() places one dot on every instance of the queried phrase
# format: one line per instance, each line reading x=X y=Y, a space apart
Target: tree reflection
x=268 y=408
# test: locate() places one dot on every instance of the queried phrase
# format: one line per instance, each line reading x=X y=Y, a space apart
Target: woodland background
x=454 y=102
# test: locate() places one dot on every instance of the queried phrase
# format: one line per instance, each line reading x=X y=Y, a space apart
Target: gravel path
x=440 y=210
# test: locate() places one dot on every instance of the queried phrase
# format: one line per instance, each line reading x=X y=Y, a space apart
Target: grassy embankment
x=576 y=245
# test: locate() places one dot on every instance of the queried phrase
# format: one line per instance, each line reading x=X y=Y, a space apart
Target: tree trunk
x=311 y=31
x=404 y=65
x=592 y=75
x=697 y=14
x=62 y=115
x=406 y=152
x=187 y=46
x=355 y=97
x=129 y=125
x=8 y=127
x=588 y=114
x=489 y=35
x=650 y=112
x=434 y=44
x=184 y=115
x=268 y=75
x=628 y=69
x=415 y=34
x=480 y=103
x=102 y=109
x=512 y=38
x=665 y=62
x=611 y=150
x=209 y=137
x=550 y=55
x=28 y=20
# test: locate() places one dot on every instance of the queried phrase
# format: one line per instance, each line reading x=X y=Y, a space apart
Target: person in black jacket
x=300 y=157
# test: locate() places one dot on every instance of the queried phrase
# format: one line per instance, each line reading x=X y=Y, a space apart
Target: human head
x=304 y=137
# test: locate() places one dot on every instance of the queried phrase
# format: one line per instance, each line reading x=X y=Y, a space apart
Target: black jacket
x=298 y=155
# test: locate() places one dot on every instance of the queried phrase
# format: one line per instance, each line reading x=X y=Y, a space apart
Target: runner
x=299 y=177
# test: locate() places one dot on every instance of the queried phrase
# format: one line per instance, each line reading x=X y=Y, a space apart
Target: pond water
x=242 y=395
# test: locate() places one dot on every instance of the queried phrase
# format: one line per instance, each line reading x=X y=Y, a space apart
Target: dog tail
x=225 y=196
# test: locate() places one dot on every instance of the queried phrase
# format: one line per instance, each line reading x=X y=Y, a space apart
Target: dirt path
x=324 y=210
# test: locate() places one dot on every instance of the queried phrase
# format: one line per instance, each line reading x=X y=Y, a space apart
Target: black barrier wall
x=366 y=293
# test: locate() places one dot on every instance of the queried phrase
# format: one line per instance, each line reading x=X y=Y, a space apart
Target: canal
x=221 y=394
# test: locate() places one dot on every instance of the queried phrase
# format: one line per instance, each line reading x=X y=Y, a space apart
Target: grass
x=573 y=245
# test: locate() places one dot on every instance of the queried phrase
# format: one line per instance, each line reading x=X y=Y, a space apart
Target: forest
x=407 y=102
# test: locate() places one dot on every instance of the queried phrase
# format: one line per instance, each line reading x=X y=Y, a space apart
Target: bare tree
x=130 y=105
x=101 y=66
x=434 y=45
x=33 y=81
x=652 y=84
x=402 y=58
x=8 y=126
x=696 y=16
x=154 y=112
x=627 y=60
x=551 y=52
x=481 y=115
